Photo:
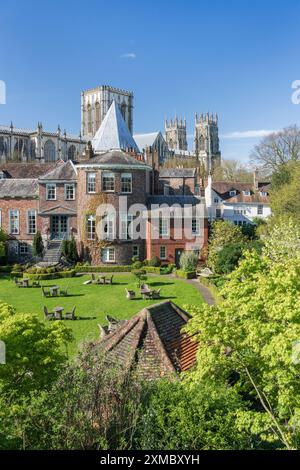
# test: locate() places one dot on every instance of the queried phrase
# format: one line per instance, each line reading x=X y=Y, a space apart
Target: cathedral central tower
x=207 y=147
x=176 y=134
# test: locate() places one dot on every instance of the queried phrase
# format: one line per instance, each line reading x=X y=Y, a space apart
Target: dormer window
x=263 y=193
x=2 y=175
x=247 y=192
x=232 y=192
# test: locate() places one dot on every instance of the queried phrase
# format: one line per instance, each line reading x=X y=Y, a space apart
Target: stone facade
x=176 y=134
x=24 y=145
x=96 y=102
x=207 y=147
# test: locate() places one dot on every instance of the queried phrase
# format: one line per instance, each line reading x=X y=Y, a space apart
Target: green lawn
x=93 y=302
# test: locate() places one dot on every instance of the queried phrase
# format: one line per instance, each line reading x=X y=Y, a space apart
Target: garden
x=93 y=301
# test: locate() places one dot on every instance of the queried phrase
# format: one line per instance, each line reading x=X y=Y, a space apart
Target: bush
x=167 y=269
x=152 y=269
x=155 y=262
x=137 y=265
x=189 y=261
x=38 y=245
x=101 y=269
x=69 y=250
x=5 y=269
x=185 y=274
x=17 y=268
x=140 y=275
x=44 y=276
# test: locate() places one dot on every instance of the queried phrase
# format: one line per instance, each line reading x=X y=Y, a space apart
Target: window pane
x=91 y=182
x=51 y=192
x=14 y=221
x=91 y=227
x=32 y=222
x=108 y=181
x=126 y=183
x=70 y=192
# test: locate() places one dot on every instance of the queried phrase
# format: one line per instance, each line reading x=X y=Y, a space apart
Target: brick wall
x=87 y=204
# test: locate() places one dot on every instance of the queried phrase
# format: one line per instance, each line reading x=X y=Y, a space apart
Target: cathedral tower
x=96 y=102
x=207 y=147
x=176 y=134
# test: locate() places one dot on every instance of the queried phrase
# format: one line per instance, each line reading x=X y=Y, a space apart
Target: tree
x=283 y=240
x=69 y=250
x=94 y=404
x=223 y=233
x=34 y=351
x=277 y=149
x=3 y=243
x=232 y=170
x=250 y=343
x=189 y=261
x=38 y=245
x=284 y=195
x=182 y=417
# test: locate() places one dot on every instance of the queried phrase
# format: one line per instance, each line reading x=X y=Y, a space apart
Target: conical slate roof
x=113 y=133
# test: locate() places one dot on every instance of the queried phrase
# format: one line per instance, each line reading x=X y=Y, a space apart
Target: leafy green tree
x=3 y=243
x=284 y=195
x=34 y=351
x=283 y=240
x=248 y=342
x=92 y=405
x=189 y=261
x=38 y=245
x=229 y=256
x=223 y=233
x=181 y=417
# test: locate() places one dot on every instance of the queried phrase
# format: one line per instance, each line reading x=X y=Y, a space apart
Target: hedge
x=102 y=269
x=47 y=276
x=5 y=269
x=152 y=269
x=185 y=274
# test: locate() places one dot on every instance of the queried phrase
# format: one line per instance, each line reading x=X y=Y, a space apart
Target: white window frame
x=125 y=220
x=69 y=186
x=136 y=251
x=29 y=214
x=108 y=255
x=22 y=245
x=90 y=223
x=232 y=193
x=163 y=227
x=89 y=175
x=260 y=209
x=109 y=221
x=128 y=176
x=163 y=256
x=247 y=193
x=196 y=224
x=16 y=232
x=50 y=187
x=111 y=175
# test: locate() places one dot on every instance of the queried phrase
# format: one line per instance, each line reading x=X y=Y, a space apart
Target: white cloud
x=248 y=134
x=128 y=55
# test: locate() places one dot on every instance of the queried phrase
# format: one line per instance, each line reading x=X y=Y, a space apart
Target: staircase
x=52 y=254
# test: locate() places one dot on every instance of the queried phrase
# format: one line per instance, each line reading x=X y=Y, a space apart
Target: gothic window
x=201 y=143
x=123 y=110
x=89 y=113
x=71 y=152
x=32 y=150
x=17 y=154
x=97 y=108
x=49 y=151
x=3 y=147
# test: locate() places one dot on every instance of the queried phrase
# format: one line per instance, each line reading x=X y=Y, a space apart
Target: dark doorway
x=178 y=253
x=59 y=227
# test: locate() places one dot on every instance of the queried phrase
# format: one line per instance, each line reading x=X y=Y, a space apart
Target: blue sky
x=237 y=58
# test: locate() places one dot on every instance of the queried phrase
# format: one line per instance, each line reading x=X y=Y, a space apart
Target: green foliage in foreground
x=249 y=341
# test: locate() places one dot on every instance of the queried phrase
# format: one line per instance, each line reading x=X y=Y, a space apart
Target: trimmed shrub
x=189 y=261
x=46 y=276
x=102 y=269
x=185 y=274
x=5 y=269
x=152 y=269
x=38 y=245
x=155 y=262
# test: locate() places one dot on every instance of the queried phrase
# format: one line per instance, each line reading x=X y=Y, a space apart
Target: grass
x=94 y=302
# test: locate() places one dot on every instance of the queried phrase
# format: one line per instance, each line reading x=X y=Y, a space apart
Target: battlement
x=206 y=119
x=177 y=123
x=108 y=88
